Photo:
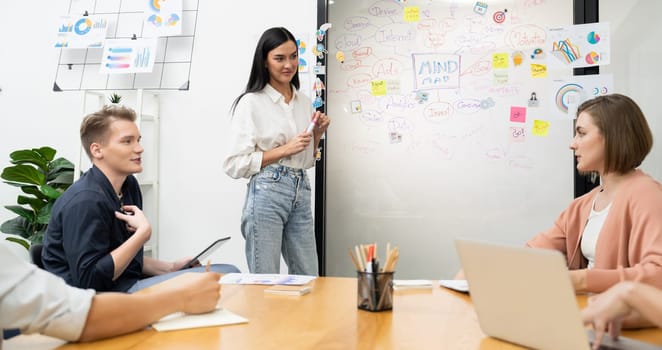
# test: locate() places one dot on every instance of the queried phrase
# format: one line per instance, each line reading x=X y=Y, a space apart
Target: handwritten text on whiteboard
x=436 y=71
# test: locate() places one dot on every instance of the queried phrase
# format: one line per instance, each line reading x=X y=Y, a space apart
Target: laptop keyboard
x=608 y=347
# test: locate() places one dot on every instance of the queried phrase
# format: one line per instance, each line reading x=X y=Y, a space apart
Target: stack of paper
x=457 y=285
x=288 y=290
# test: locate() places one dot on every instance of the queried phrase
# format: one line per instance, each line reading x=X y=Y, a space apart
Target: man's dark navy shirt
x=83 y=230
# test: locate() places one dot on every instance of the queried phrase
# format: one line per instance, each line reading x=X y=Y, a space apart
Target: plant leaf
x=34 y=190
x=16 y=226
x=23 y=174
x=61 y=163
x=38 y=236
x=65 y=177
x=22 y=212
x=46 y=152
x=22 y=242
x=30 y=156
x=34 y=203
x=50 y=191
x=44 y=214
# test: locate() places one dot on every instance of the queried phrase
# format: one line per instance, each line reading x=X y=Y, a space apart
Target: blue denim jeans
x=277 y=217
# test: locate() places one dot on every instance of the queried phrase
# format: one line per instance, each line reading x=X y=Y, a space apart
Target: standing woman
x=272 y=146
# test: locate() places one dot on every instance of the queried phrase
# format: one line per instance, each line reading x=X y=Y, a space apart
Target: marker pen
x=312 y=124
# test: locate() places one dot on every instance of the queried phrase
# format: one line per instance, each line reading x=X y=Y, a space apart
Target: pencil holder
x=375 y=291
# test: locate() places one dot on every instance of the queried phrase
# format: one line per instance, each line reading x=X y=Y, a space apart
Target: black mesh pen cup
x=375 y=291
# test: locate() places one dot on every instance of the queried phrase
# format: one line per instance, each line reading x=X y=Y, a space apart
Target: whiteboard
x=424 y=145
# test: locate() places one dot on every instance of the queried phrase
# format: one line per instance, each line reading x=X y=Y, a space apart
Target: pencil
x=356 y=263
x=208 y=264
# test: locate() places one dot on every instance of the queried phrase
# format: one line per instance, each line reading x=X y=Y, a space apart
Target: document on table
x=412 y=284
x=260 y=278
x=457 y=285
x=180 y=320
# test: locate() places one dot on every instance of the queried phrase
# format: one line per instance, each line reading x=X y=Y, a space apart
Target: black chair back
x=35 y=254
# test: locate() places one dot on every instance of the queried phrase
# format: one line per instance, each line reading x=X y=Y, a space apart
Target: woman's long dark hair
x=270 y=39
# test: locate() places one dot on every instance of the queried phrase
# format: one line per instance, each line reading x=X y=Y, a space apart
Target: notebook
x=525 y=296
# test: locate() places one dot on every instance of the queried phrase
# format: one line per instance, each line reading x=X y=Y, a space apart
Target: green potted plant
x=42 y=179
x=115 y=98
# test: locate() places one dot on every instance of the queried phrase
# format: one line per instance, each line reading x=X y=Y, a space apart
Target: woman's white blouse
x=263 y=121
x=596 y=220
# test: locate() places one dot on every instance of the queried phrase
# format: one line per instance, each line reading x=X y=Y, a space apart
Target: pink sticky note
x=518 y=114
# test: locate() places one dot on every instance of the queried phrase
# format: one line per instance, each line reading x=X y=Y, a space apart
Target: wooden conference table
x=327 y=318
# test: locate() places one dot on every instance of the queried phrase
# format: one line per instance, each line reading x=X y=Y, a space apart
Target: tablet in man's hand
x=206 y=252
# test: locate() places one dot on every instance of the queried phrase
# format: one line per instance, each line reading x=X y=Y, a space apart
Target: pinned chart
x=81 y=32
x=582 y=45
x=162 y=18
x=128 y=56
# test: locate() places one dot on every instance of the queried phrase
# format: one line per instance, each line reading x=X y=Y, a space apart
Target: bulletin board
x=445 y=124
x=79 y=69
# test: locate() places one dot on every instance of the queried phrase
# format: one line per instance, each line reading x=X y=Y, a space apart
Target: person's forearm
x=646 y=299
x=273 y=155
x=154 y=267
x=123 y=254
x=115 y=313
x=578 y=278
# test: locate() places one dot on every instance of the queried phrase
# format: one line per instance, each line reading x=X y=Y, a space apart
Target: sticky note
x=518 y=114
x=540 y=127
x=538 y=70
x=517 y=134
x=499 y=60
x=378 y=87
x=412 y=14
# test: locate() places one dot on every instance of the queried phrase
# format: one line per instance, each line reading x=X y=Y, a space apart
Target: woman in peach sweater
x=618 y=223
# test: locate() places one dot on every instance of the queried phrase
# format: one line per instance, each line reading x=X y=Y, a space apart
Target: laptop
x=525 y=296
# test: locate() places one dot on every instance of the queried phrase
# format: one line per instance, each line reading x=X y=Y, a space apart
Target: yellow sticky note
x=412 y=14
x=540 y=127
x=378 y=87
x=538 y=70
x=500 y=60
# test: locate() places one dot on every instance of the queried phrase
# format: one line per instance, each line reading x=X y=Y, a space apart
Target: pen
x=312 y=124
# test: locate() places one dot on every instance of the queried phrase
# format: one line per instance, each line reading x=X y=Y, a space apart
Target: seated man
x=38 y=302
x=97 y=230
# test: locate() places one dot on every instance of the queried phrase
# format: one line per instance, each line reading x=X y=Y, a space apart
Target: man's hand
x=136 y=221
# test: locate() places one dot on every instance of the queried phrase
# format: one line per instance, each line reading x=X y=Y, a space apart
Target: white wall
x=198 y=202
x=635 y=55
